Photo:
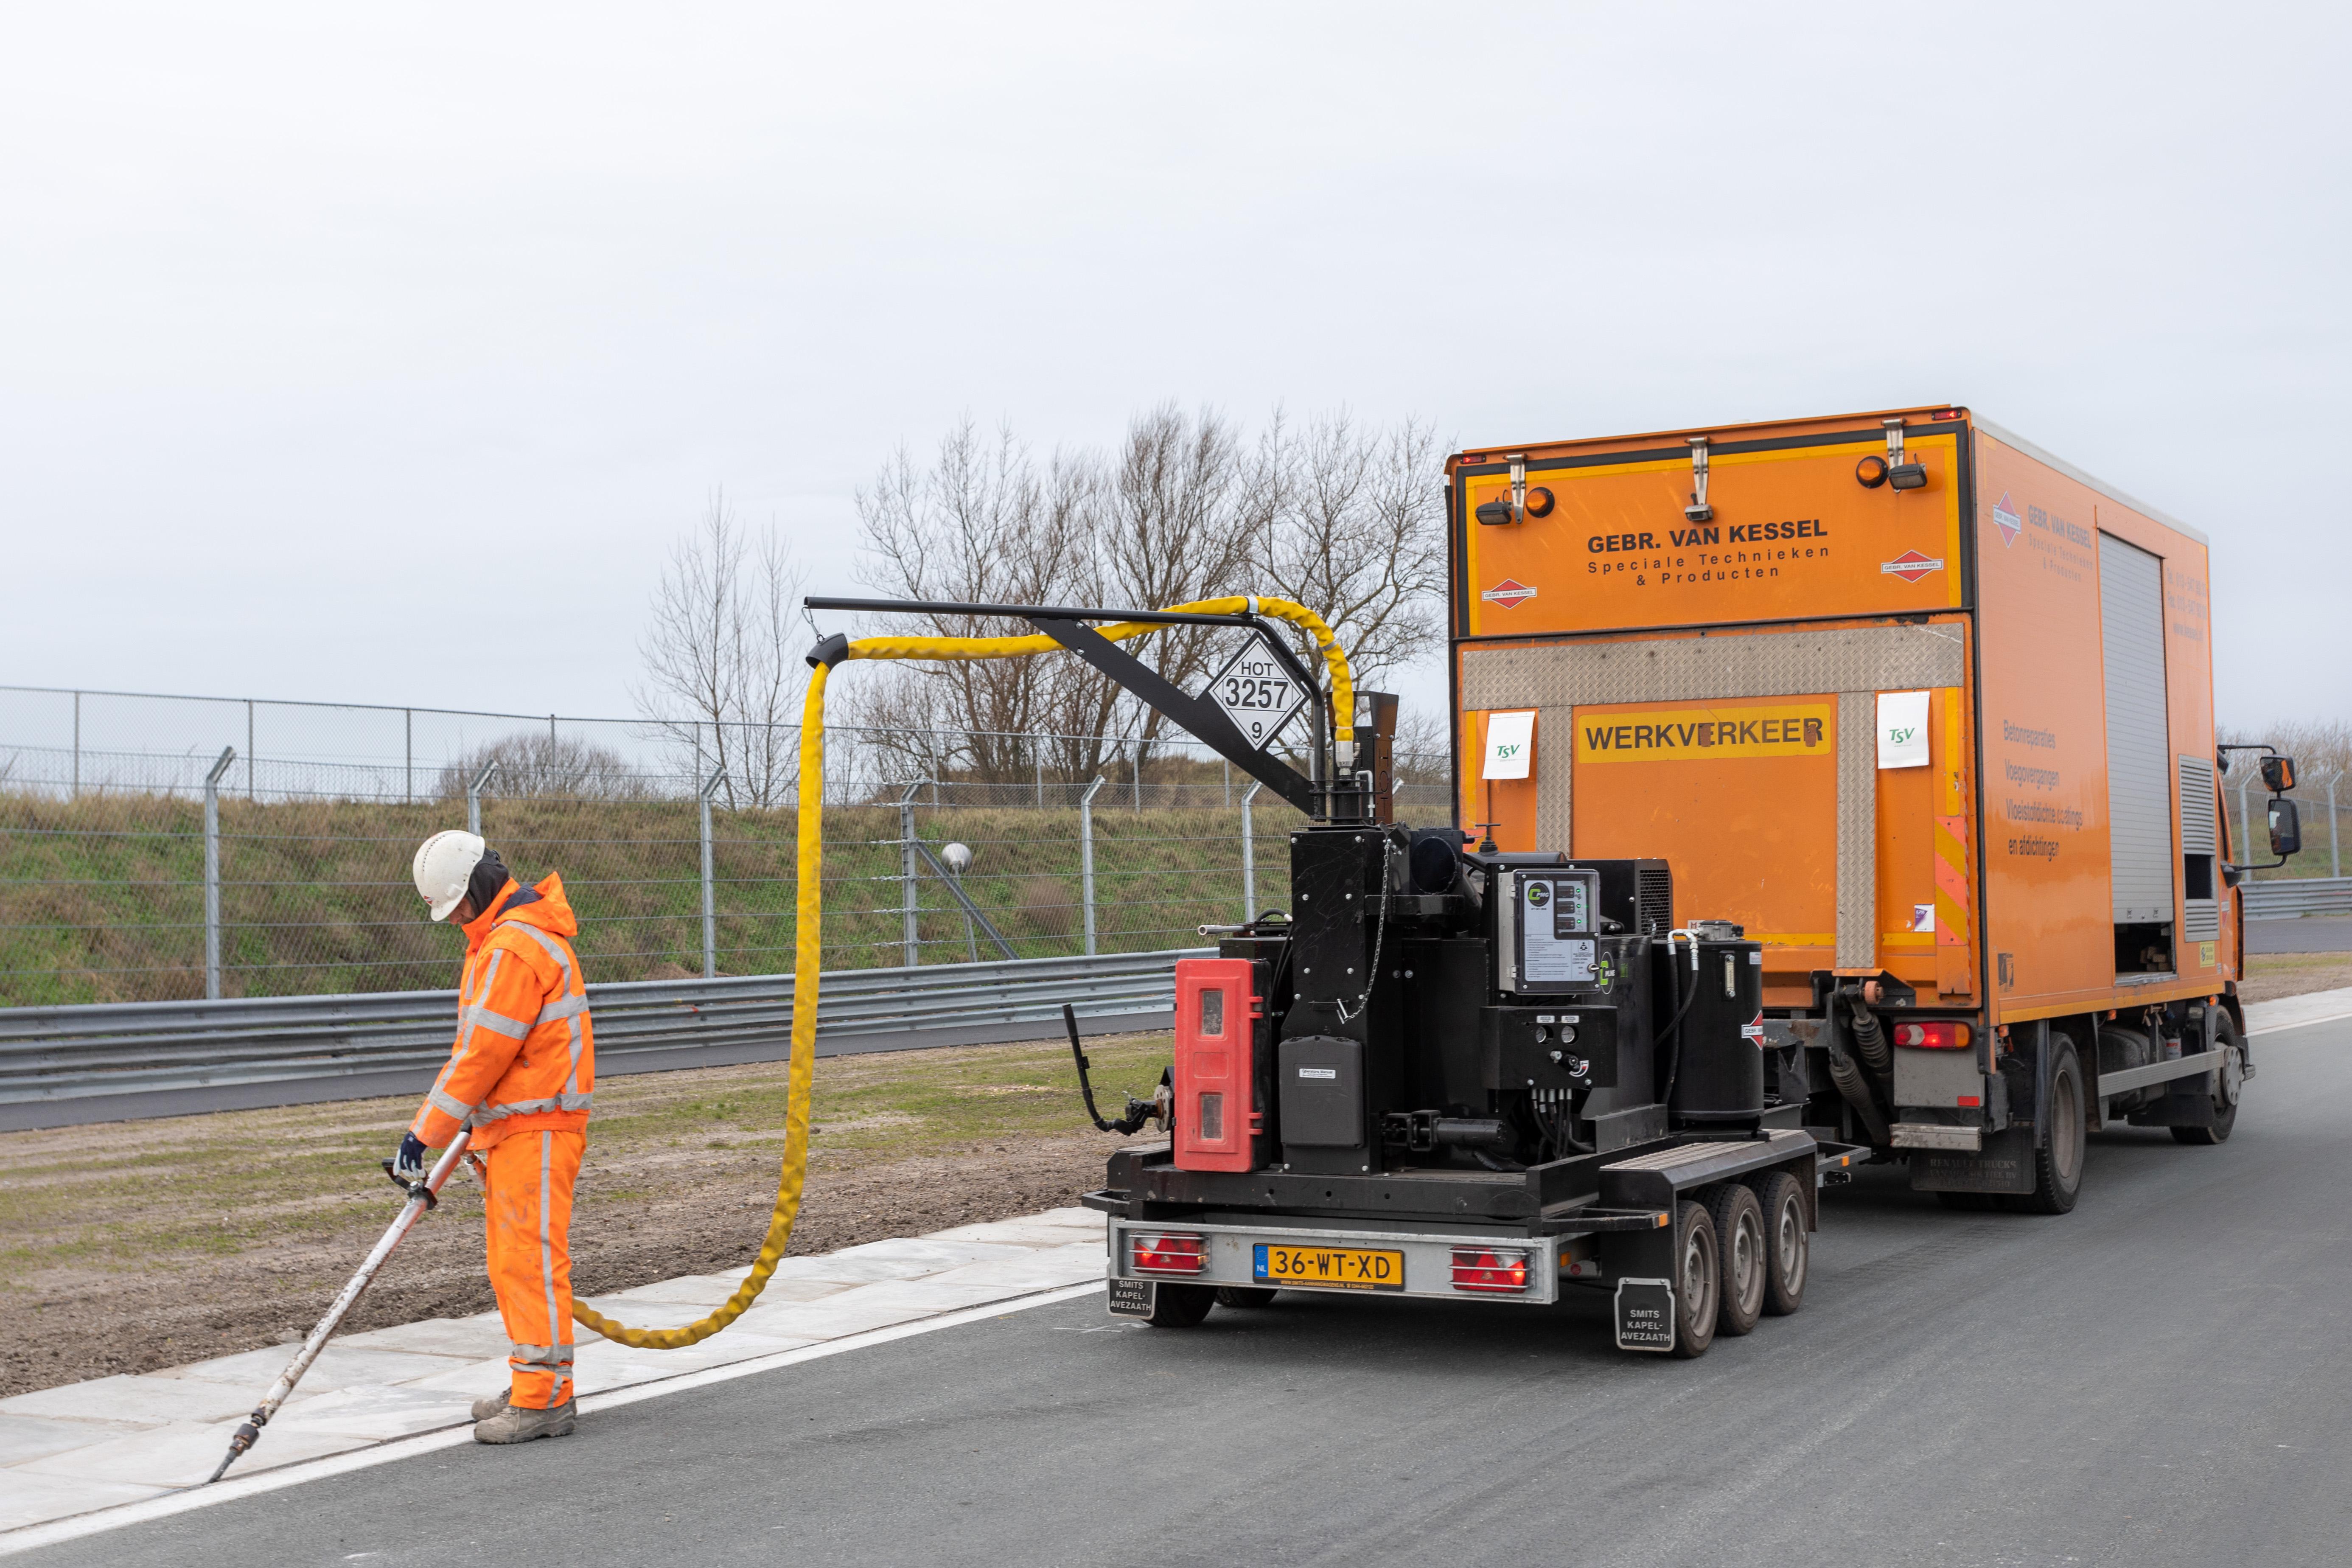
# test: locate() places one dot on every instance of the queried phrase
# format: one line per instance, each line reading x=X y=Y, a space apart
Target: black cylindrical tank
x=1719 y=1067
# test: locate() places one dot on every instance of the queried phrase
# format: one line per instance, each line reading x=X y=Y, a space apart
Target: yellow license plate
x=1330 y=1268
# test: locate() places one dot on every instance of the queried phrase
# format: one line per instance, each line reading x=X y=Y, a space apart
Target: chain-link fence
x=677 y=843
x=2321 y=795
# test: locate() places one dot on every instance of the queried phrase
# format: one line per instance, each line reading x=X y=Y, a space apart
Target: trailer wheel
x=1745 y=1263
x=2225 y=1094
x=1181 y=1306
x=1788 y=1248
x=1698 y=1281
x=1243 y=1296
x=2058 y=1151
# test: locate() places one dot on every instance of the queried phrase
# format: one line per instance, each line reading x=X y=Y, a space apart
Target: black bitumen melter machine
x=1448 y=1071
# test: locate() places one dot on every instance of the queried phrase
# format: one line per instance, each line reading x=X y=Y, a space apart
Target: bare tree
x=1346 y=520
x=1174 y=530
x=535 y=764
x=723 y=664
x=1355 y=530
x=984 y=524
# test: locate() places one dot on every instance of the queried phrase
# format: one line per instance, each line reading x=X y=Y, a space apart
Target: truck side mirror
x=2286 y=827
x=2278 y=774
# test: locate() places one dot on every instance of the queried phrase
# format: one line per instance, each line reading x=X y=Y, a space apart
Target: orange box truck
x=1925 y=711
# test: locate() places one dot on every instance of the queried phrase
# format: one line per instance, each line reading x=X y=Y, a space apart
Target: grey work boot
x=517 y=1424
x=486 y=1409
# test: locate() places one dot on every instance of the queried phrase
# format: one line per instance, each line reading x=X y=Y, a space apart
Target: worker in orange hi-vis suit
x=521 y=1076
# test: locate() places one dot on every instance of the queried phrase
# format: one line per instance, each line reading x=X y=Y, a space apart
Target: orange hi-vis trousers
x=528 y=1209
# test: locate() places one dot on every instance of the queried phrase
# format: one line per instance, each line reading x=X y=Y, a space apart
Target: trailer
x=1927 y=713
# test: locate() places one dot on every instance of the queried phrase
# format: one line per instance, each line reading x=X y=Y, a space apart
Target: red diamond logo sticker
x=2004 y=517
x=1911 y=566
x=1510 y=594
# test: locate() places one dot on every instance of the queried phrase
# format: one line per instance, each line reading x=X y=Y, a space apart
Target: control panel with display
x=1554 y=919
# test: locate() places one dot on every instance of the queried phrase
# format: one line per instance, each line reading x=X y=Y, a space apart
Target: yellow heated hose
x=807 y=950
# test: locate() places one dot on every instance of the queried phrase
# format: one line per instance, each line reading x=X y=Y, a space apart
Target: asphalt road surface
x=2161 y=1377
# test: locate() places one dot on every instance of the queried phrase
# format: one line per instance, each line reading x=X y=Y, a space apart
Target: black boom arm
x=1205 y=719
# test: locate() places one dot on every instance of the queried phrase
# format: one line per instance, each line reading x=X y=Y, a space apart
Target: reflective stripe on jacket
x=525 y=1058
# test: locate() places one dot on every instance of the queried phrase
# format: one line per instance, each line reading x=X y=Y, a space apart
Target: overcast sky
x=379 y=354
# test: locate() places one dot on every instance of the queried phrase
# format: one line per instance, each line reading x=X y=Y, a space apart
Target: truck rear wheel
x=2225 y=1089
x=1739 y=1239
x=1181 y=1306
x=1788 y=1248
x=1698 y=1280
x=2063 y=1133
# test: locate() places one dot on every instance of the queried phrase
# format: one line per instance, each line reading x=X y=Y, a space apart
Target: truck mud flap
x=2005 y=1165
x=1645 y=1315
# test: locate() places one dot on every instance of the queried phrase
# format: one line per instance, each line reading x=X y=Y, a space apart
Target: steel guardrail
x=62 y=1053
x=2296 y=895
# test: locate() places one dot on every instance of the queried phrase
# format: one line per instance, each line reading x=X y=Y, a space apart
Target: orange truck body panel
x=1711 y=692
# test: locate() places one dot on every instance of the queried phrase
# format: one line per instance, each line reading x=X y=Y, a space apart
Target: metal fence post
x=709 y=903
x=2245 y=824
x=212 y=874
x=1087 y=856
x=1039 y=756
x=2335 y=860
x=248 y=748
x=474 y=798
x=910 y=905
x=1138 y=775
x=408 y=751
x=77 y=771
x=1249 y=855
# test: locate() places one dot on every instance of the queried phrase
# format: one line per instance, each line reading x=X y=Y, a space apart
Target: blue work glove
x=409 y=1163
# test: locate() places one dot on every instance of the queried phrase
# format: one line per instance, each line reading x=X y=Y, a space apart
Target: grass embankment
x=136 y=1244
x=102 y=898
x=2272 y=975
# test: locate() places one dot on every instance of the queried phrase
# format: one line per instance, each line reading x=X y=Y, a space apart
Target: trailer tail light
x=1167 y=1253
x=1217 y=1121
x=1490 y=1272
x=1939 y=1036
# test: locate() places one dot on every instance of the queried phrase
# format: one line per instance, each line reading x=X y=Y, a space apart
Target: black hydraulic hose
x=1138 y=1111
x=1674 y=1029
x=1869 y=1039
x=1855 y=1089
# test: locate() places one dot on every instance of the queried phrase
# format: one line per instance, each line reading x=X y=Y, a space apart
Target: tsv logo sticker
x=1910 y=566
x=1508 y=592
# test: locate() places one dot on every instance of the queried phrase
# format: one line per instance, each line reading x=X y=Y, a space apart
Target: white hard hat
x=443 y=864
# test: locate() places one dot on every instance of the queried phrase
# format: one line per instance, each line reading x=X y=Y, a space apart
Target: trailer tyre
x=1181 y=1306
x=1743 y=1260
x=2058 y=1154
x=1243 y=1296
x=1698 y=1281
x=1788 y=1245
x=2225 y=1092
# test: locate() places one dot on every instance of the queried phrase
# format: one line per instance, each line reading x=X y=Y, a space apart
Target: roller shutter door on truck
x=2139 y=749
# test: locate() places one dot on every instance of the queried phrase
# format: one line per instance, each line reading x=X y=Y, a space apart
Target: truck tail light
x=1490 y=1272
x=1939 y=1036
x=1166 y=1253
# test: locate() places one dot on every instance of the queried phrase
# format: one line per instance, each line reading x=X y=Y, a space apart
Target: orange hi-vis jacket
x=526 y=1054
